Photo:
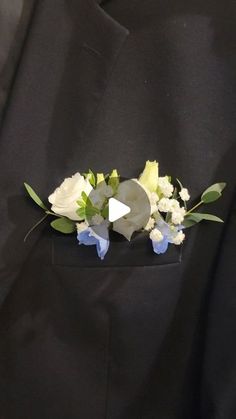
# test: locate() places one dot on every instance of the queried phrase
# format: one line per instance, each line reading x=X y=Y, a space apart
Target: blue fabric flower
x=168 y=234
x=160 y=247
x=98 y=236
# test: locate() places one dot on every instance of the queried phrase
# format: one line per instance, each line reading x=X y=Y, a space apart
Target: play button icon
x=127 y=208
x=116 y=209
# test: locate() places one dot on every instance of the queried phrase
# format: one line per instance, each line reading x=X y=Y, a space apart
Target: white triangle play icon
x=116 y=209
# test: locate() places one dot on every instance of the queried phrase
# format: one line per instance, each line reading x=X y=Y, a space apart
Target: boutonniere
x=91 y=204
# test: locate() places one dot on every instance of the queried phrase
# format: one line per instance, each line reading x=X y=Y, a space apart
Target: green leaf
x=197 y=217
x=100 y=178
x=81 y=203
x=35 y=197
x=213 y=193
x=105 y=212
x=81 y=212
x=114 y=180
x=188 y=223
x=92 y=178
x=64 y=225
x=210 y=197
x=90 y=211
x=84 y=196
x=87 y=200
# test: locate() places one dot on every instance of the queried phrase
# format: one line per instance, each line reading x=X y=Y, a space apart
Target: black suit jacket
x=137 y=336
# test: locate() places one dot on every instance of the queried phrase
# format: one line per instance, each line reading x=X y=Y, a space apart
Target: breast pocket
x=138 y=252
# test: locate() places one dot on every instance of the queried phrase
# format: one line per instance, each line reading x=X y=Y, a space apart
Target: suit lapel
x=101 y=38
x=64 y=69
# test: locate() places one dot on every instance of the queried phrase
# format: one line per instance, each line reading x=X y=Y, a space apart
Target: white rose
x=184 y=195
x=64 y=198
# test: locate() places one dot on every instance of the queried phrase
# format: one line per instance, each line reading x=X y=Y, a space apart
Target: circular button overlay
x=125 y=208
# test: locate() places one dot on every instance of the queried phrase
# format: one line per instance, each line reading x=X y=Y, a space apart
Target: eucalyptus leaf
x=35 y=197
x=213 y=193
x=197 y=217
x=188 y=222
x=64 y=225
x=210 y=197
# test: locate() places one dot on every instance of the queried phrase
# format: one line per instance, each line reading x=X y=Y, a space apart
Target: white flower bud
x=81 y=226
x=165 y=186
x=184 y=195
x=164 y=205
x=174 y=205
x=156 y=235
x=154 y=198
x=179 y=238
x=150 y=224
x=178 y=215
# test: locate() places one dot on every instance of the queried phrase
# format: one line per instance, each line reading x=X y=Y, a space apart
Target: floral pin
x=81 y=205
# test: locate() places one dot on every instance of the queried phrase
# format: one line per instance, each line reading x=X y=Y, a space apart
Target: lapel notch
x=98 y=38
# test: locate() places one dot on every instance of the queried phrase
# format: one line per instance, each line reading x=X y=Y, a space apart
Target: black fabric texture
x=15 y=17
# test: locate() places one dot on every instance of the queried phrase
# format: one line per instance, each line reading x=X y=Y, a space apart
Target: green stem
x=179 y=197
x=195 y=206
x=36 y=225
x=52 y=213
